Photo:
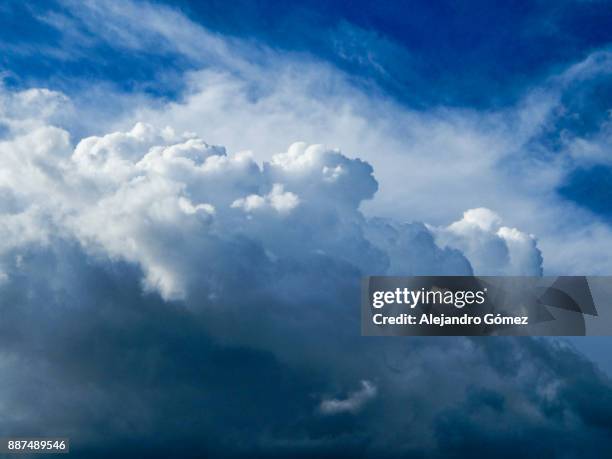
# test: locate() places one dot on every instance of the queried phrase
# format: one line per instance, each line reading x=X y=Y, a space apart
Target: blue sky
x=190 y=193
x=478 y=54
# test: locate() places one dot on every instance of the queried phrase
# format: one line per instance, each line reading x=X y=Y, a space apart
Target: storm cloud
x=161 y=297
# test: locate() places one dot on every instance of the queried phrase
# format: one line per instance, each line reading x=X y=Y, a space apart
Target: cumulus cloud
x=278 y=199
x=169 y=202
x=158 y=289
x=512 y=159
x=492 y=248
x=171 y=198
x=171 y=279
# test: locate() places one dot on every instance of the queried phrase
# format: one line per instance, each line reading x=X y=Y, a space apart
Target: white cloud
x=172 y=204
x=354 y=402
x=430 y=165
x=278 y=199
x=492 y=249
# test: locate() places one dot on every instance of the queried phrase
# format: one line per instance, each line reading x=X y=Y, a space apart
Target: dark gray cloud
x=87 y=354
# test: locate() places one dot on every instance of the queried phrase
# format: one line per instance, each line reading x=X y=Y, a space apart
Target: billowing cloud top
x=172 y=204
